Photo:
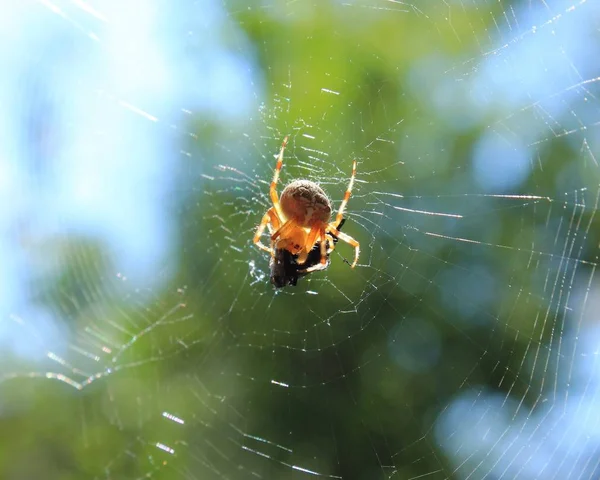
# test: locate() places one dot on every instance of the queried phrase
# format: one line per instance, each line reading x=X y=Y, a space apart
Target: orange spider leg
x=323 y=244
x=269 y=218
x=340 y=214
x=347 y=239
x=311 y=239
x=273 y=189
x=322 y=265
x=330 y=244
x=284 y=230
x=314 y=268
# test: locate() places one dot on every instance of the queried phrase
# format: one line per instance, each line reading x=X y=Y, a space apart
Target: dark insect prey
x=285 y=269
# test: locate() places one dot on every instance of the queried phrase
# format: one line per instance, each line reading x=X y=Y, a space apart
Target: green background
x=212 y=343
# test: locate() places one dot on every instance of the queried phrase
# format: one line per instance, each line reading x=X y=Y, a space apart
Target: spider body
x=306 y=203
x=285 y=269
x=299 y=222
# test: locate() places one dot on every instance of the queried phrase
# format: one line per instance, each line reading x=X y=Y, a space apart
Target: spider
x=301 y=220
x=284 y=266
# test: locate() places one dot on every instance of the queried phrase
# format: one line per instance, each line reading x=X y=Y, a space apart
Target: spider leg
x=314 y=268
x=273 y=189
x=323 y=244
x=340 y=214
x=348 y=239
x=311 y=239
x=283 y=231
x=269 y=218
x=332 y=239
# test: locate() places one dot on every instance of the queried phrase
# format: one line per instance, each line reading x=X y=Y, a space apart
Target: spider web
x=140 y=335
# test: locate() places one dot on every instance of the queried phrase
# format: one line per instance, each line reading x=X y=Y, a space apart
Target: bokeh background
x=139 y=334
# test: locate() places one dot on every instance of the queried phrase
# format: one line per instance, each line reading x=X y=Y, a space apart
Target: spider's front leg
x=307 y=245
x=348 y=239
x=323 y=245
x=290 y=237
x=273 y=188
x=339 y=217
x=271 y=219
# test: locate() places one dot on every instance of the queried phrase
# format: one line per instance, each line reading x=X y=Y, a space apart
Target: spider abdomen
x=306 y=203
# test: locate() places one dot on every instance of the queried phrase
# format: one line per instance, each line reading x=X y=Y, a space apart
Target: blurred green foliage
x=210 y=346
